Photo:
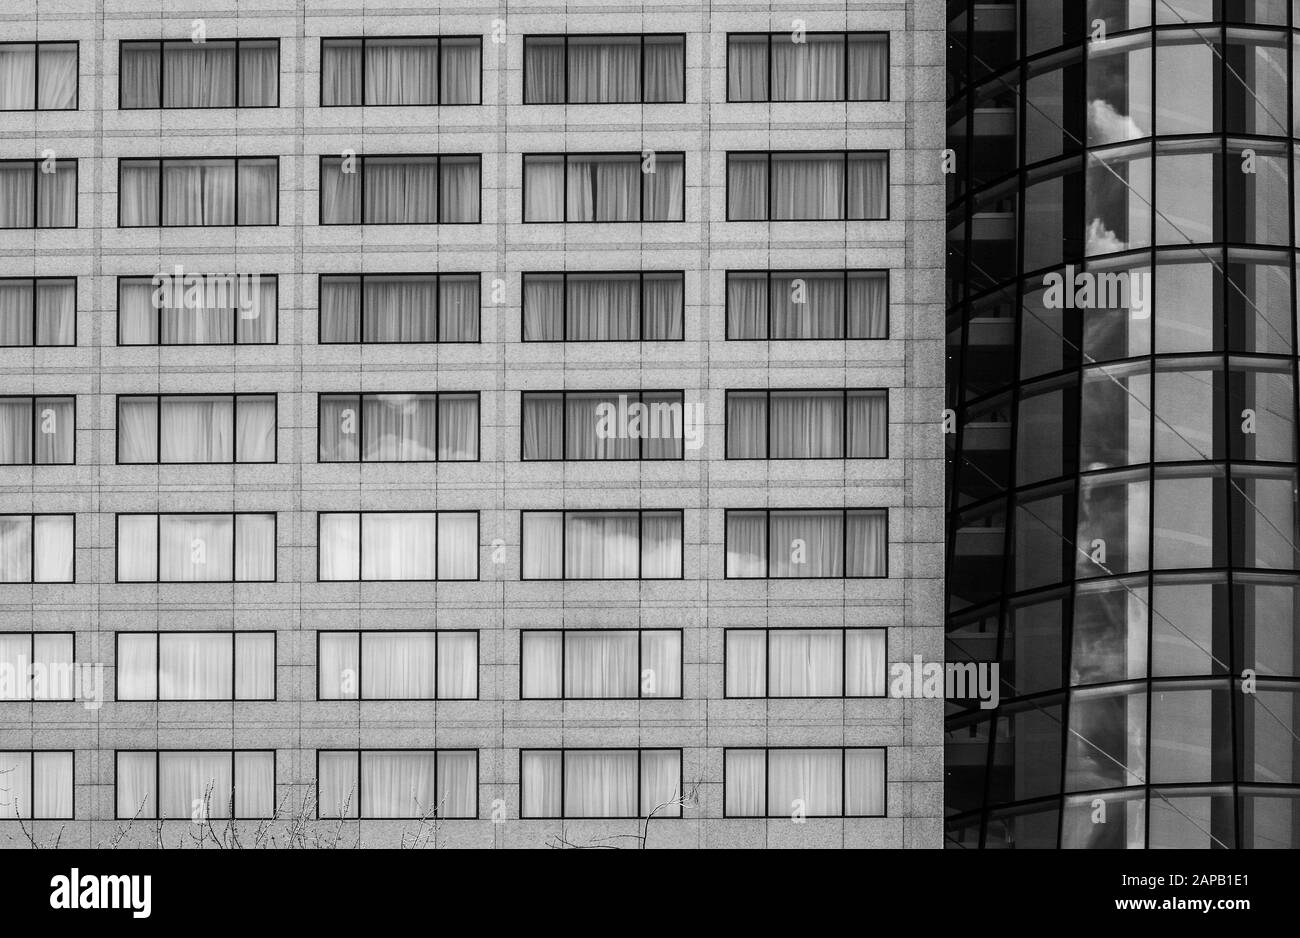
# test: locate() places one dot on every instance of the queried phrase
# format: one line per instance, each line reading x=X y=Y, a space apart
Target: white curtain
x=747 y=424
x=462 y=69
x=137 y=320
x=340 y=309
x=136 y=783
x=662 y=307
x=747 y=68
x=868 y=544
x=805 y=663
x=868 y=67
x=600 y=545
x=747 y=186
x=865 y=662
x=197 y=666
x=868 y=424
x=541 y=664
x=196 y=548
x=255 y=784
x=665 y=69
x=341 y=68
x=542 y=535
x=51 y=785
x=543 y=426
x=398 y=665
x=401 y=71
x=137 y=199
x=457 y=665
x=338 y=555
x=17 y=195
x=807 y=544
x=661 y=774
x=602 y=307
x=586 y=437
x=811 y=70
x=457 y=783
x=746 y=305
x=868 y=185
x=259 y=192
x=460 y=181
x=54 y=539
x=605 y=69
x=400 y=309
x=137 y=666
x=260 y=310
x=18 y=77
x=541 y=783
x=188 y=781
x=457 y=545
x=340 y=192
x=746 y=544
x=198 y=74
x=400 y=190
x=137 y=430
x=16 y=431
x=339 y=665
x=810 y=779
x=746 y=663
x=58 y=77
x=206 y=317
x=665 y=188
x=601 y=664
x=458 y=427
x=864 y=782
x=255 y=666
x=17 y=312
x=663 y=426
x=337 y=785
x=53 y=654
x=868 y=303
x=16 y=658
x=198 y=192
x=458 y=308
x=137 y=548
x=197 y=429
x=661 y=663
x=808 y=186
x=600 y=783
x=398 y=545
x=398 y=784
x=603 y=188
x=259 y=73
x=15 y=548
x=56 y=196
x=255 y=428
x=746 y=787
x=544 y=189
x=544 y=70
x=339 y=428
x=807 y=305
x=399 y=427
x=806 y=424
x=56 y=312
x=661 y=545
x=140 y=69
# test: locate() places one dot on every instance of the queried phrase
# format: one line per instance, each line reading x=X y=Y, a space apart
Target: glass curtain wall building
x=1122 y=367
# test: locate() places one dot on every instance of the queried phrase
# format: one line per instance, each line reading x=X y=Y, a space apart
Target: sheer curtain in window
x=865 y=662
x=543 y=426
x=461 y=186
x=665 y=189
x=458 y=422
x=398 y=784
x=399 y=546
x=543 y=189
x=601 y=664
x=56 y=196
x=15 y=548
x=746 y=305
x=137 y=548
x=259 y=74
x=747 y=68
x=58 y=67
x=254 y=548
x=458 y=308
x=199 y=74
x=338 y=665
x=137 y=199
x=196 y=548
x=400 y=190
x=255 y=428
x=255 y=784
x=868 y=305
x=338 y=784
x=55 y=430
x=541 y=783
x=209 y=318
x=195 y=667
x=603 y=307
x=808 y=305
x=587 y=435
x=457 y=784
x=457 y=665
x=341 y=67
x=864 y=782
x=868 y=181
x=54 y=548
x=35 y=785
x=868 y=67
x=16 y=302
x=16 y=431
x=806 y=424
x=543 y=545
x=746 y=544
x=543 y=307
x=604 y=69
x=137 y=666
x=137 y=430
x=746 y=789
x=254 y=666
x=340 y=193
x=338 y=553
x=665 y=69
x=259 y=192
x=805 y=663
x=746 y=663
x=462 y=69
x=807 y=544
x=603 y=188
x=400 y=309
x=663 y=306
x=868 y=424
x=868 y=544
x=398 y=665
x=747 y=186
x=661 y=545
x=187 y=777
x=541 y=664
x=135 y=780
x=197 y=429
x=17 y=195
x=457 y=545
x=54 y=654
x=198 y=192
x=137 y=320
x=401 y=71
x=600 y=545
x=140 y=69
x=807 y=779
x=661 y=782
x=56 y=312
x=600 y=783
x=399 y=427
x=811 y=70
x=340 y=309
x=544 y=70
x=18 y=77
x=661 y=663
x=808 y=186
x=747 y=425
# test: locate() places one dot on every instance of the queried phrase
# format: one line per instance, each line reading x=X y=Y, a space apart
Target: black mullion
x=767 y=666
x=361 y=160
x=767 y=541
x=564 y=210
x=157 y=666
x=564 y=662
x=234 y=539
x=361 y=320
x=768 y=293
x=361 y=565
x=844 y=662
x=844 y=326
x=234 y=676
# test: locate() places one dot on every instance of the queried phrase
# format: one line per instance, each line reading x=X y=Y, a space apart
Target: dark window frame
x=158 y=399
x=35 y=284
x=360 y=816
x=31 y=661
x=866 y=273
x=437 y=683
x=564 y=535
x=32 y=399
x=157 y=782
x=162 y=45
x=157 y=559
x=640 y=652
x=767 y=780
x=234 y=665
x=564 y=196
x=844 y=208
x=32 y=754
x=844 y=84
x=767 y=664
x=364 y=40
x=630 y=393
x=437 y=278
x=31 y=565
x=768 y=392
x=162 y=208
x=566 y=37
x=361 y=428
x=235 y=331
x=36 y=75
x=564 y=276
x=436 y=513
x=563 y=751
x=35 y=166
x=361 y=193
x=767 y=531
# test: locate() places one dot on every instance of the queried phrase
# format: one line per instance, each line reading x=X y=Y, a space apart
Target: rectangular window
x=604 y=307
x=196 y=428
x=37 y=548
x=604 y=187
x=808 y=186
x=805 y=662
x=198 y=309
x=208 y=547
x=814 y=67
x=35 y=785
x=816 y=424
x=626 y=68
x=397 y=665
x=184 y=785
x=401 y=70
x=399 y=308
x=807 y=543
x=397 y=545
x=38 y=76
x=398 y=427
x=37 y=666
x=397 y=783
x=600 y=664
x=796 y=305
x=208 y=192
x=782 y=783
x=601 y=545
x=600 y=783
x=180 y=73
x=401 y=190
x=595 y=425
x=38 y=312
x=38 y=194
x=195 y=666
x=38 y=431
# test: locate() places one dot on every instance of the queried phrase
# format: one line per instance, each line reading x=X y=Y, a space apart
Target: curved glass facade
x=1123 y=475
